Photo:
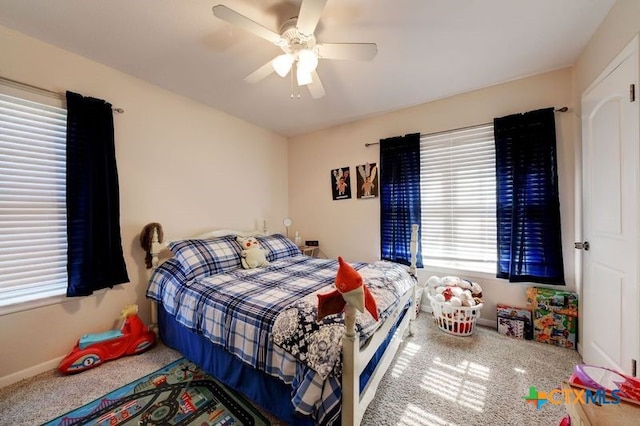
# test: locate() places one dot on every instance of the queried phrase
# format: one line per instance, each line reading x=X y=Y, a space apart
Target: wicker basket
x=460 y=321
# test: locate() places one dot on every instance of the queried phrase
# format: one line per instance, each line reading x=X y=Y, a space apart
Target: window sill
x=458 y=272
x=52 y=299
x=25 y=305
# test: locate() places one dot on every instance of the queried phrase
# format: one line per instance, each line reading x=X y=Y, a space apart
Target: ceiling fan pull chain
x=291 y=80
x=297 y=88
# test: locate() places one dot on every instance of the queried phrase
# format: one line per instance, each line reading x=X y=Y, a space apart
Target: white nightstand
x=309 y=250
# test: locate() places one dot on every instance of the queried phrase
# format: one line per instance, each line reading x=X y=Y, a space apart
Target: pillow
x=204 y=257
x=279 y=247
x=159 y=288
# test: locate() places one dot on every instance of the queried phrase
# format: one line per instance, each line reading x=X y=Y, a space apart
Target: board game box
x=514 y=321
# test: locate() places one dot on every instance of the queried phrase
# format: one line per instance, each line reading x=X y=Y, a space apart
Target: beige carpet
x=435 y=379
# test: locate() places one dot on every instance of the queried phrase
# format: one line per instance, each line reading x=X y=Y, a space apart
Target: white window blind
x=457 y=181
x=33 y=243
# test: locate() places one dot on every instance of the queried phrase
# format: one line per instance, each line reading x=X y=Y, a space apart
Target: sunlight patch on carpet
x=416 y=416
x=466 y=367
x=404 y=359
x=458 y=383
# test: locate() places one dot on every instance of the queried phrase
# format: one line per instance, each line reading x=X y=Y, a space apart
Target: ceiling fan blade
x=309 y=15
x=260 y=73
x=233 y=17
x=354 y=51
x=315 y=87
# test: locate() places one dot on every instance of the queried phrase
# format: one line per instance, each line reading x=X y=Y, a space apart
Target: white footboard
x=355 y=359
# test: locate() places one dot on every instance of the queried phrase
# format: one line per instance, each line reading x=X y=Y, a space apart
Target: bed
x=256 y=330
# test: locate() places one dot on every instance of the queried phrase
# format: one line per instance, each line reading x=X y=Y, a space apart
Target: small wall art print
x=367 y=180
x=341 y=183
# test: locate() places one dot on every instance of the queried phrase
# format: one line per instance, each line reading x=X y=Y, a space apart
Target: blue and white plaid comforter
x=237 y=310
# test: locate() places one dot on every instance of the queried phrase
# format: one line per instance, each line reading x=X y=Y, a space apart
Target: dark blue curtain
x=528 y=206
x=399 y=197
x=94 y=256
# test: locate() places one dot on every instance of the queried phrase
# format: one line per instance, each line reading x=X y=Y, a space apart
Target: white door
x=611 y=160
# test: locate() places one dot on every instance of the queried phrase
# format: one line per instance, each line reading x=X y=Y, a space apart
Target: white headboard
x=221 y=233
x=157 y=246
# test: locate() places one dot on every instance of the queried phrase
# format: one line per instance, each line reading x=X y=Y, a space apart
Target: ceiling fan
x=299 y=44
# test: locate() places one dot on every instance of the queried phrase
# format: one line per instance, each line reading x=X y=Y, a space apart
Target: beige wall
x=350 y=228
x=180 y=163
x=615 y=32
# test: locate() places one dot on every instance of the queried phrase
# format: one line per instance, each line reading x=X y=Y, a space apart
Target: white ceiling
x=427 y=49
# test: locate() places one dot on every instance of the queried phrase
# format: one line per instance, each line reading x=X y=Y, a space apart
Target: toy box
x=554 y=328
x=514 y=321
x=555 y=316
x=558 y=301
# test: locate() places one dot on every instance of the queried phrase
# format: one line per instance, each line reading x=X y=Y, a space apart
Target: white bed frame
x=354 y=358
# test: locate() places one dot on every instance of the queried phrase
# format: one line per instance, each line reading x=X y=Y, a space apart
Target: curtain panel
x=399 y=197
x=529 y=241
x=94 y=258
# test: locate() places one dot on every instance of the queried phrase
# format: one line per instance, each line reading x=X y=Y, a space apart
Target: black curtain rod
x=41 y=91
x=563 y=109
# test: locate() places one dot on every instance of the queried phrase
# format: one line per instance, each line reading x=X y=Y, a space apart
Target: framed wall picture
x=367 y=180
x=341 y=183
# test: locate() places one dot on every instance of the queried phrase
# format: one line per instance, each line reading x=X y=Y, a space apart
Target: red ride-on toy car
x=93 y=349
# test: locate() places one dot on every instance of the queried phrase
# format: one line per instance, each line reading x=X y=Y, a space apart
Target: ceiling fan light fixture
x=307 y=60
x=282 y=64
x=300 y=48
x=303 y=77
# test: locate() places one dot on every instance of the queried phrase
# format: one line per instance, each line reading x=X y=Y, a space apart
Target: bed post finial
x=155 y=248
x=150 y=239
x=414 y=248
x=350 y=372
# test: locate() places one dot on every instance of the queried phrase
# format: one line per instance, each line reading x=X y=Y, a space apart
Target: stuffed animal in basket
x=457 y=291
x=456 y=304
x=253 y=255
x=349 y=288
x=91 y=350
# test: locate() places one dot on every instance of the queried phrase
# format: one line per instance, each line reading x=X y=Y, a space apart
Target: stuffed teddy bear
x=253 y=256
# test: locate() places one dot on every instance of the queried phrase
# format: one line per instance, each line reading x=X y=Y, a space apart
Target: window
x=457 y=191
x=33 y=242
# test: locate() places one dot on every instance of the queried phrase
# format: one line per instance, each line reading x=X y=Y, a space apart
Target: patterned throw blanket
x=318 y=344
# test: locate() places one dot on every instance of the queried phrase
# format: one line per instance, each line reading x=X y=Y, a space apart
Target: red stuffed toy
x=349 y=288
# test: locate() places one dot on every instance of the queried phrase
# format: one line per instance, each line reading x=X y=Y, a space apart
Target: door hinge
x=633 y=368
x=632 y=92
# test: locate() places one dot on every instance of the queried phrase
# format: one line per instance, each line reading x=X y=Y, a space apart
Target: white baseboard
x=29 y=372
x=486 y=322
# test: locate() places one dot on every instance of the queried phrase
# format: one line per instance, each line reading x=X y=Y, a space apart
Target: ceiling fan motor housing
x=294 y=40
